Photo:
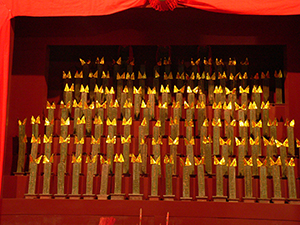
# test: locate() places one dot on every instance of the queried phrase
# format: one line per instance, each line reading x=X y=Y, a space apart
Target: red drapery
x=105 y=7
x=13 y=8
x=246 y=7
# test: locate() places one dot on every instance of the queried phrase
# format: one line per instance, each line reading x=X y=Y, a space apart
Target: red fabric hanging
x=163 y=5
x=246 y=7
x=4 y=70
x=71 y=7
x=105 y=7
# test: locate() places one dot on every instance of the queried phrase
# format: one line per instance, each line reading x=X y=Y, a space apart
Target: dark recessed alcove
x=262 y=58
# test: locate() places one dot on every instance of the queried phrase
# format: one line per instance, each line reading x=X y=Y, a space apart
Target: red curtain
x=71 y=7
x=13 y=8
x=105 y=7
x=246 y=7
x=4 y=72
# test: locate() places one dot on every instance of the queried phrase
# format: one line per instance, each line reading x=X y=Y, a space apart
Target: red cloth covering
x=105 y=7
x=13 y=8
x=4 y=70
x=250 y=7
x=163 y=5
